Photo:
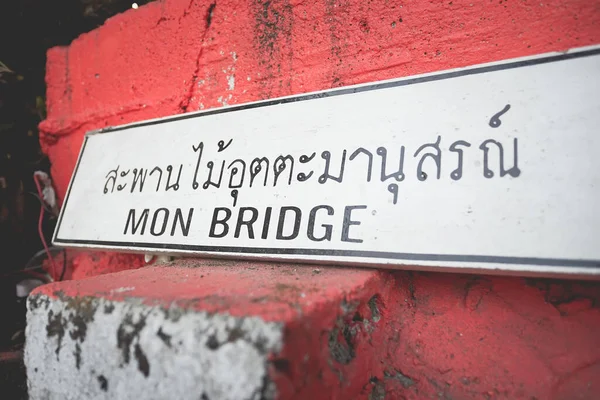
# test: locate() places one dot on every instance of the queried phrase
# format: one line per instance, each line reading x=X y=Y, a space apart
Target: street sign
x=491 y=168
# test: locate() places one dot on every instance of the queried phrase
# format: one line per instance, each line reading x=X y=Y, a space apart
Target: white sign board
x=491 y=168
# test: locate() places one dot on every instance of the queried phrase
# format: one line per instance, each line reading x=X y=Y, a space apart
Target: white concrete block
x=93 y=348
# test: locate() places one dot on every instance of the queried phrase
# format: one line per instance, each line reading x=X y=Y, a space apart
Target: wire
x=34 y=258
x=41 y=201
x=31 y=272
x=40 y=227
x=38 y=275
x=62 y=274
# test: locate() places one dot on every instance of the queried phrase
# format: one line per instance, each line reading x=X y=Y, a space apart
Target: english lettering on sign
x=490 y=168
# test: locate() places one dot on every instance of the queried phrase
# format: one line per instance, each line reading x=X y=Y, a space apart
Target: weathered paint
x=175 y=56
x=501 y=209
x=90 y=347
x=346 y=333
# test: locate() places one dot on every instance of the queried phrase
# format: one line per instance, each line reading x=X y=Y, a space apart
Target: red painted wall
x=368 y=334
x=175 y=56
x=456 y=336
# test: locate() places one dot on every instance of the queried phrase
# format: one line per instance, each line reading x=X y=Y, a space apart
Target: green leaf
x=40 y=105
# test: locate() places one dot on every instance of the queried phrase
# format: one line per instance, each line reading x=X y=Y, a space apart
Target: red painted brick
x=352 y=333
x=165 y=58
x=437 y=335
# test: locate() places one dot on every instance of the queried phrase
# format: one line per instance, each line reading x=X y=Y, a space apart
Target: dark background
x=27 y=29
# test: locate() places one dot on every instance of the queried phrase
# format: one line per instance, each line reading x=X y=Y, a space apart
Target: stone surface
x=251 y=330
x=332 y=332
x=95 y=348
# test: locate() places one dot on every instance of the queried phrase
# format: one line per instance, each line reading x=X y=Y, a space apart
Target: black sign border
x=532 y=261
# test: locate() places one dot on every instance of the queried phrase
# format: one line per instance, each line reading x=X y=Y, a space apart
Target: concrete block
x=203 y=329
x=100 y=348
